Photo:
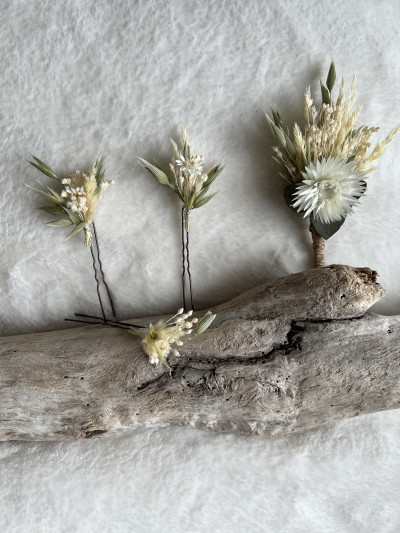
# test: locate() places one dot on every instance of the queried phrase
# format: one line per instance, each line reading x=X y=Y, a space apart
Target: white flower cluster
x=75 y=194
x=82 y=193
x=189 y=174
x=159 y=337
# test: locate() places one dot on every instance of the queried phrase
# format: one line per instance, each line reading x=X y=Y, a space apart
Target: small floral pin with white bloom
x=77 y=201
x=75 y=205
x=327 y=163
x=158 y=338
x=191 y=183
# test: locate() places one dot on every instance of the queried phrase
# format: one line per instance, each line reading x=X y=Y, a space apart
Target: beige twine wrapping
x=318 y=247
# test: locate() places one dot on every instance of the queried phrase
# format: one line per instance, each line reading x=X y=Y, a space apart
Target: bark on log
x=287 y=356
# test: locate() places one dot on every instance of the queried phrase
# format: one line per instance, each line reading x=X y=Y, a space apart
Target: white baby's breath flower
x=158 y=338
x=329 y=190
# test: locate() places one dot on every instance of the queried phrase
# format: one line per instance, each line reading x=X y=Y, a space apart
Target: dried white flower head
x=329 y=190
x=187 y=178
x=159 y=338
x=78 y=198
x=190 y=166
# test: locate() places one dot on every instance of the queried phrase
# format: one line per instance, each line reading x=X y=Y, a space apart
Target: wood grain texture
x=287 y=356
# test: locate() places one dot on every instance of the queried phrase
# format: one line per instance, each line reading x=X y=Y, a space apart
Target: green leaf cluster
x=57 y=202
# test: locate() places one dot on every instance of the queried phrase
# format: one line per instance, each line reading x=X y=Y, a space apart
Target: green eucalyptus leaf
x=79 y=227
x=52 y=209
x=288 y=193
x=47 y=196
x=202 y=193
x=278 y=134
x=331 y=79
x=212 y=176
x=204 y=323
x=202 y=201
x=73 y=216
x=42 y=167
x=155 y=171
x=290 y=148
x=326 y=230
x=54 y=193
x=61 y=222
x=100 y=171
x=277 y=118
x=326 y=97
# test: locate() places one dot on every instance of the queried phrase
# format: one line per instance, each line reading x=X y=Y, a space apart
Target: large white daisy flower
x=329 y=190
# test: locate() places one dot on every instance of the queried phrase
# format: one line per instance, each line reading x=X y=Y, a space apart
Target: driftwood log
x=287 y=356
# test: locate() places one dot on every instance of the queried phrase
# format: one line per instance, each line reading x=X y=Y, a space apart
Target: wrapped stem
x=187 y=219
x=318 y=247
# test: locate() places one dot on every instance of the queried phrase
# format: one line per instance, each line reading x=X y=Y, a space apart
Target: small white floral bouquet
x=327 y=163
x=189 y=181
x=76 y=203
x=158 y=338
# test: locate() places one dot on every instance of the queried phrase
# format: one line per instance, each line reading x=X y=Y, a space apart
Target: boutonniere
x=327 y=162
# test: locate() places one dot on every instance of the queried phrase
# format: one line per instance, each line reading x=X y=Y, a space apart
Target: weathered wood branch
x=284 y=357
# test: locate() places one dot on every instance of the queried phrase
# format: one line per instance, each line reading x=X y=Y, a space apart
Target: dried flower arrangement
x=75 y=205
x=189 y=181
x=157 y=339
x=327 y=163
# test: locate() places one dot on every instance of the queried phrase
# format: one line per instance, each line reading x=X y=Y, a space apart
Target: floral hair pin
x=158 y=339
x=327 y=163
x=75 y=205
x=191 y=183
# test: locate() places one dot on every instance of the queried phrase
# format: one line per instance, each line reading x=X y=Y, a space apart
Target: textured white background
x=118 y=78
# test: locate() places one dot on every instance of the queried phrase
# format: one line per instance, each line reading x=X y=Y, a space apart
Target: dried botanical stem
x=102 y=272
x=318 y=247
